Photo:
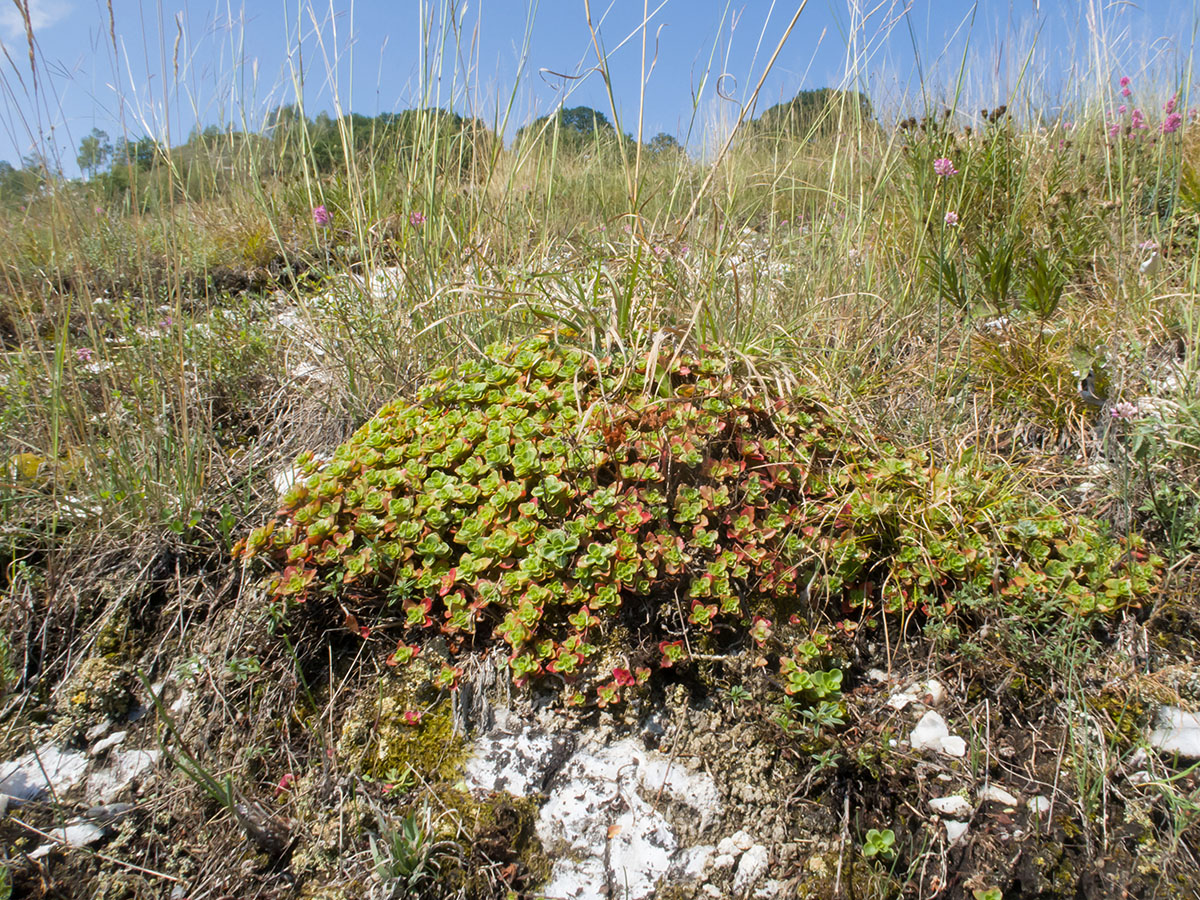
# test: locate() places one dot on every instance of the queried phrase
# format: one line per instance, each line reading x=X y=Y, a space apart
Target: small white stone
x=742 y=841
x=954 y=806
x=111 y=741
x=901 y=700
x=934 y=692
x=1140 y=777
x=996 y=794
x=695 y=859
x=1039 y=805
x=711 y=890
x=769 y=888
x=954 y=830
x=878 y=675
x=81 y=834
x=182 y=702
x=722 y=861
x=954 y=746
x=1177 y=732
x=727 y=846
x=751 y=868
x=99 y=730
x=930 y=732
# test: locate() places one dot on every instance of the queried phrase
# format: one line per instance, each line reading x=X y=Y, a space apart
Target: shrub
x=555 y=502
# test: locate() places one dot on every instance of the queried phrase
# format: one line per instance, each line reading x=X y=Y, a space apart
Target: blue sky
x=160 y=68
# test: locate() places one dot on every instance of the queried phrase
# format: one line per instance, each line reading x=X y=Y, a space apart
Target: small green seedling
x=880 y=843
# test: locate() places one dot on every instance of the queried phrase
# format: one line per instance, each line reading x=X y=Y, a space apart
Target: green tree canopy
x=94 y=152
x=812 y=113
x=577 y=128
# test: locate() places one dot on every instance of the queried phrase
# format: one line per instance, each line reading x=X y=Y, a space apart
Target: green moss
x=859 y=878
x=1122 y=714
x=98 y=690
x=403 y=725
x=494 y=832
x=112 y=640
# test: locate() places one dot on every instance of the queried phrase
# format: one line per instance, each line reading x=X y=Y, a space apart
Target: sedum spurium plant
x=555 y=502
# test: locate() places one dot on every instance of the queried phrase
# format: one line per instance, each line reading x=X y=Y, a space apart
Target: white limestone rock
x=107 y=783
x=1039 y=805
x=1177 y=732
x=751 y=868
x=955 y=831
x=932 y=733
x=78 y=834
x=47 y=770
x=955 y=806
x=602 y=820
x=993 y=793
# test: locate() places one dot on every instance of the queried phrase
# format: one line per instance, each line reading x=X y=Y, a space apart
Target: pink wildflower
x=1171 y=124
x=951 y=218
x=1127 y=93
x=84 y=354
x=1138 y=120
x=1122 y=109
x=1124 y=81
x=412 y=717
x=321 y=216
x=416 y=219
x=1169 y=106
x=944 y=168
x=1114 y=130
x=1124 y=411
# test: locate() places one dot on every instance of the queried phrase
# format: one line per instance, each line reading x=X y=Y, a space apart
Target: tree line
x=443 y=142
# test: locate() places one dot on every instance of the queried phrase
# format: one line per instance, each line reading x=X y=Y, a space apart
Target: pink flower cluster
x=944 y=168
x=951 y=218
x=321 y=216
x=1174 y=118
x=416 y=219
x=1172 y=115
x=1124 y=411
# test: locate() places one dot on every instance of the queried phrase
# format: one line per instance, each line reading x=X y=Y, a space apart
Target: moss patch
x=403 y=730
